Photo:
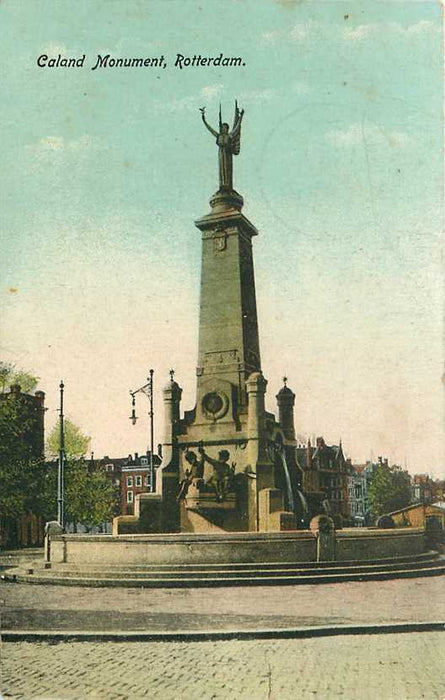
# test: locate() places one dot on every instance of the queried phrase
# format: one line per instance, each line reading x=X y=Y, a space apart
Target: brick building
x=130 y=475
x=32 y=415
x=326 y=470
x=359 y=480
x=425 y=489
x=439 y=490
x=135 y=479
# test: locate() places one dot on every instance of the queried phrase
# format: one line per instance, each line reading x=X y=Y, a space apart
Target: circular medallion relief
x=215 y=404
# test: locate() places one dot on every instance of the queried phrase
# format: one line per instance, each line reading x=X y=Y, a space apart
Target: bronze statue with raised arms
x=228 y=143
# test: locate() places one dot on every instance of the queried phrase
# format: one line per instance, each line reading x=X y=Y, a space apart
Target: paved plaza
x=28 y=607
x=392 y=666
x=397 y=667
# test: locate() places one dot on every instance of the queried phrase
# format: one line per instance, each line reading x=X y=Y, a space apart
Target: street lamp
x=147 y=389
x=61 y=465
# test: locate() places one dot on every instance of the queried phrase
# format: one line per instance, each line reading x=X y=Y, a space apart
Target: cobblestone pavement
x=30 y=607
x=389 y=667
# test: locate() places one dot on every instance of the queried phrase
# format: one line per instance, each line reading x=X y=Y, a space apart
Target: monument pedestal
x=203 y=499
x=228 y=434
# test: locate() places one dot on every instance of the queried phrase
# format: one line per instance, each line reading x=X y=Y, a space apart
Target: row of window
x=137 y=481
x=331 y=481
x=357 y=495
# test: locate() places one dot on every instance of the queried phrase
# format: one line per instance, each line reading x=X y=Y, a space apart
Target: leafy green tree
x=6 y=372
x=90 y=495
x=22 y=487
x=9 y=376
x=389 y=490
x=76 y=443
x=22 y=468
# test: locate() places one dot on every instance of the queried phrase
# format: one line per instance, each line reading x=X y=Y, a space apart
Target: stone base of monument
x=202 y=498
x=208 y=501
x=272 y=513
x=353 y=544
x=226 y=559
x=153 y=575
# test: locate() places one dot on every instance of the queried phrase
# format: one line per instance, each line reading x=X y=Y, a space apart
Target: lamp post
x=61 y=465
x=147 y=389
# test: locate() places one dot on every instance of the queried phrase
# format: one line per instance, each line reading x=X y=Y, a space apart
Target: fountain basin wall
x=245 y=547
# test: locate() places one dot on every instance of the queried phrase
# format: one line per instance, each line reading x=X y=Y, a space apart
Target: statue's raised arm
x=206 y=124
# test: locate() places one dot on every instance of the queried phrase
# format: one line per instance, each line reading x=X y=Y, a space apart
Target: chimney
x=40 y=395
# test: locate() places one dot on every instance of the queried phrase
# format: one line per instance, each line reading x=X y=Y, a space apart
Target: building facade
x=325 y=471
x=359 y=480
x=135 y=478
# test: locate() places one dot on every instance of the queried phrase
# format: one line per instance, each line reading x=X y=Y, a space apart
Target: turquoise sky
x=105 y=171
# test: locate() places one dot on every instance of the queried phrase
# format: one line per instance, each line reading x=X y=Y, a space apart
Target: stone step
x=241 y=579
x=61 y=570
x=411 y=559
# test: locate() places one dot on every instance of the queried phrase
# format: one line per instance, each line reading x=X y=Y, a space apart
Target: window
x=138 y=481
x=147 y=480
x=129 y=481
x=129 y=496
x=144 y=460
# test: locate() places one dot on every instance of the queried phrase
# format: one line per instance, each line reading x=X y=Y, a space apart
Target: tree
x=76 y=443
x=22 y=468
x=389 y=490
x=22 y=485
x=6 y=371
x=90 y=496
x=9 y=376
x=22 y=471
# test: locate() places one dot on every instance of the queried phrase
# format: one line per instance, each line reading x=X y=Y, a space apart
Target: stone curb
x=52 y=636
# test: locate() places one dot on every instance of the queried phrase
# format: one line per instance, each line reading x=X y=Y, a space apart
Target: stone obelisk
x=228 y=325
x=229 y=427
x=220 y=459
